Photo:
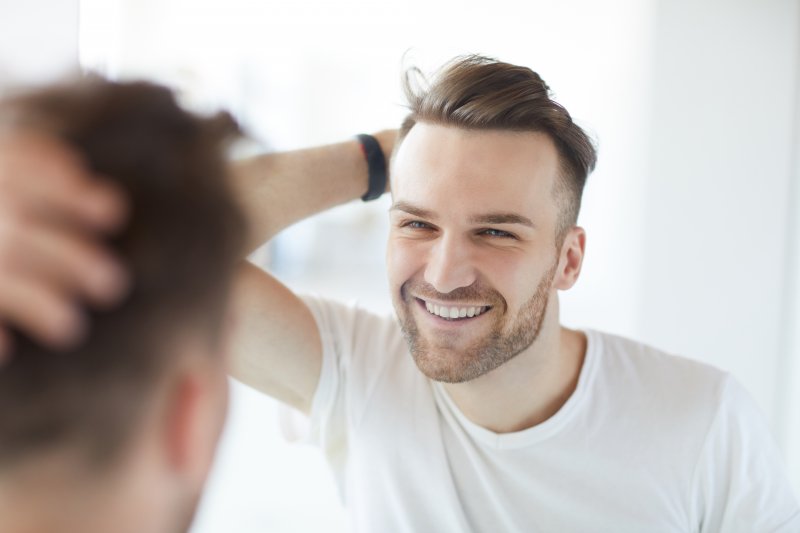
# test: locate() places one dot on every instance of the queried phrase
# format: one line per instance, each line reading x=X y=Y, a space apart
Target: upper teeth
x=454 y=312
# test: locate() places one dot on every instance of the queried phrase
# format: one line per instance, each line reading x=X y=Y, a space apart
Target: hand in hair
x=52 y=216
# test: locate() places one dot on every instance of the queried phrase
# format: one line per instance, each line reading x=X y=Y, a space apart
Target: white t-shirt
x=648 y=442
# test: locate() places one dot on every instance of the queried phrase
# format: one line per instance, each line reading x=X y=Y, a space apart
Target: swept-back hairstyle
x=478 y=93
x=180 y=246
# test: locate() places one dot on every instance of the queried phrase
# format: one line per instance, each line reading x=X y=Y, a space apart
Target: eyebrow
x=501 y=218
x=412 y=210
x=487 y=218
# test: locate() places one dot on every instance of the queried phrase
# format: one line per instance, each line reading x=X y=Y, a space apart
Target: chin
x=449 y=365
x=444 y=368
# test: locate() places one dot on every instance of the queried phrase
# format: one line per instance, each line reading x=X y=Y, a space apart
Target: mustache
x=474 y=292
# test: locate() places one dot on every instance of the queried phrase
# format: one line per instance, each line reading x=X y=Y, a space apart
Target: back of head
x=180 y=246
x=478 y=93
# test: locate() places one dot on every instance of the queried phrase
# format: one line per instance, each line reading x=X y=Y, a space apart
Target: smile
x=455 y=312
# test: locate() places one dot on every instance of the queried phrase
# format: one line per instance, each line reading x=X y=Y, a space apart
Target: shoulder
x=667 y=388
x=348 y=327
x=348 y=315
x=651 y=367
x=365 y=363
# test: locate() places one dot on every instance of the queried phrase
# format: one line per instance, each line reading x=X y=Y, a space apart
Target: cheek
x=514 y=276
x=404 y=259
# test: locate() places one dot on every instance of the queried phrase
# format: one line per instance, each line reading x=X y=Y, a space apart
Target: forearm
x=279 y=189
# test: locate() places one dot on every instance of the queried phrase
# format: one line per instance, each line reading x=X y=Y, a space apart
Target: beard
x=442 y=359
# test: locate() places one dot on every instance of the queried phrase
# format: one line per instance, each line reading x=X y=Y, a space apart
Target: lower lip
x=444 y=323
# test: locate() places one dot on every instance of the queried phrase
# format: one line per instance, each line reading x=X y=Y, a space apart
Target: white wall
x=789 y=392
x=718 y=238
x=38 y=40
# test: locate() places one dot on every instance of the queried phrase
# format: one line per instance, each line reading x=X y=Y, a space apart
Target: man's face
x=472 y=237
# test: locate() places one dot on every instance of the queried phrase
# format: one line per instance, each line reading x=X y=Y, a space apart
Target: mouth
x=454 y=313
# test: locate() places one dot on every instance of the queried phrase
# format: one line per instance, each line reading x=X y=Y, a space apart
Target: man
x=476 y=410
x=118 y=435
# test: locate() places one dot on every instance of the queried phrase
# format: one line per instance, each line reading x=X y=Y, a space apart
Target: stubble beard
x=447 y=364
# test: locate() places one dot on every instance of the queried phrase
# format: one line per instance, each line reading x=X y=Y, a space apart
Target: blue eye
x=416 y=224
x=497 y=233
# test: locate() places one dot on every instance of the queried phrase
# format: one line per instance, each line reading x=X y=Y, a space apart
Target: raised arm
x=276 y=345
x=279 y=189
x=54 y=213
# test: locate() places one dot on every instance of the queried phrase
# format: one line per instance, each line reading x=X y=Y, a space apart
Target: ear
x=570 y=259
x=183 y=421
x=196 y=416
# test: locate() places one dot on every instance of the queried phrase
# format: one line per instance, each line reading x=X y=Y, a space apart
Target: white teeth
x=454 y=312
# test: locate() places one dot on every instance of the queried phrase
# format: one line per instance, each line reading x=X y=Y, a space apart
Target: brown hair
x=475 y=92
x=180 y=246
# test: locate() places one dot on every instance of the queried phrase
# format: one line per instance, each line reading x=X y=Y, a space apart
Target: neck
x=53 y=495
x=531 y=387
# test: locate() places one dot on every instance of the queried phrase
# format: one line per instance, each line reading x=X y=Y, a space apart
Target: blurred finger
x=76 y=263
x=94 y=205
x=41 y=313
x=39 y=173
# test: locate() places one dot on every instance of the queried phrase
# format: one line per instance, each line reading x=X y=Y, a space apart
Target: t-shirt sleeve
x=355 y=344
x=741 y=485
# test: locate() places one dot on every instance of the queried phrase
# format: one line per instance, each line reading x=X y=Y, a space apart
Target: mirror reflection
x=529 y=273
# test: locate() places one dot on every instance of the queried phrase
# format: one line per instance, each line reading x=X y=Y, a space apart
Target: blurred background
x=692 y=214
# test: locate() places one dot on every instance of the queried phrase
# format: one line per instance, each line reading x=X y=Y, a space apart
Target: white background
x=694 y=237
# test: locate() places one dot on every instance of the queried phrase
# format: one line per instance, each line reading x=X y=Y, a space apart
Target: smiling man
x=470 y=270
x=474 y=409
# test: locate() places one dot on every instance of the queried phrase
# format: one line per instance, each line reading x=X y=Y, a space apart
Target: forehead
x=444 y=167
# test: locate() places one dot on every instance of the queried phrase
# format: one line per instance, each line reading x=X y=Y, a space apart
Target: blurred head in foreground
x=119 y=434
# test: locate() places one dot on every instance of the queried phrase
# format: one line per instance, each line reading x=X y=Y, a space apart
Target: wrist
x=377 y=172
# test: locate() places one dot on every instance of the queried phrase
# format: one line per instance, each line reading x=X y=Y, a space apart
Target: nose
x=449 y=265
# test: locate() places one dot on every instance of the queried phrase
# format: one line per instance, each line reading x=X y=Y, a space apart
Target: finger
x=41 y=174
x=69 y=260
x=95 y=205
x=109 y=205
x=42 y=313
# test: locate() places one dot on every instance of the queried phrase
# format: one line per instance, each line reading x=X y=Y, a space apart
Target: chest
x=413 y=467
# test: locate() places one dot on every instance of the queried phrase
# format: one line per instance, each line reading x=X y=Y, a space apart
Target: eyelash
x=491 y=232
x=416 y=224
x=504 y=234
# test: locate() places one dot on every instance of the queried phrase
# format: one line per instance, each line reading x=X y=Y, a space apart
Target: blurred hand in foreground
x=53 y=217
